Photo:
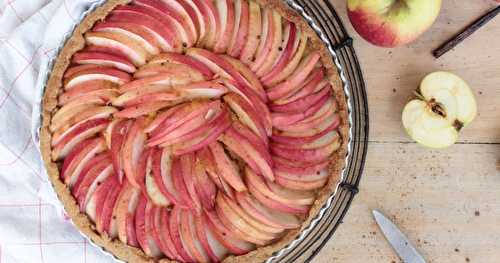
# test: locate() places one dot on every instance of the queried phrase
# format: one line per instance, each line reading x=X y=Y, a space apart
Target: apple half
x=444 y=105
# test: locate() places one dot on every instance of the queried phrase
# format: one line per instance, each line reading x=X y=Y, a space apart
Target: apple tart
x=193 y=130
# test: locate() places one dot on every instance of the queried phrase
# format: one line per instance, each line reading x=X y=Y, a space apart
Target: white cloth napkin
x=33 y=227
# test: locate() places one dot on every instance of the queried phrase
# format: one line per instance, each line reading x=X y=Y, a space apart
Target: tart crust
x=131 y=254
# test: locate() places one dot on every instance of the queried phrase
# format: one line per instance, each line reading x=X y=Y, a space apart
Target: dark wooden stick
x=469 y=30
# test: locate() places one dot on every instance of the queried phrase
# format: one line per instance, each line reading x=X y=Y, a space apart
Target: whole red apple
x=391 y=23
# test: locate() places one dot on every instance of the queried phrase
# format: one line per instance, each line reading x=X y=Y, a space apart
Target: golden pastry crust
x=131 y=254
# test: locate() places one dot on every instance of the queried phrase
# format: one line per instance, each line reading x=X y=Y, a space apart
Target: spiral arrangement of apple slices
x=195 y=129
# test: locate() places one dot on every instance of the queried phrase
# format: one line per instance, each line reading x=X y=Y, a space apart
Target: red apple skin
x=224 y=37
x=382 y=29
x=106 y=197
x=175 y=232
x=161 y=233
x=226 y=167
x=226 y=237
x=207 y=240
x=117 y=137
x=107 y=211
x=300 y=185
x=188 y=169
x=240 y=31
x=78 y=156
x=183 y=59
x=103 y=59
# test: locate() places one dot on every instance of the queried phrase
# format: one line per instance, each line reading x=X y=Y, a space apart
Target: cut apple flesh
x=445 y=105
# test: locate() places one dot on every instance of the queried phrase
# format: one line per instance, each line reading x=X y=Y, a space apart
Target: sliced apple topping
x=196 y=130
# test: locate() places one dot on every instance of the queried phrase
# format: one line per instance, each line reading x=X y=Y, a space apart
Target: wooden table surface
x=446 y=201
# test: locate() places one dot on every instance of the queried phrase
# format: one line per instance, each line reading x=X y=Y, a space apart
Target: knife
x=403 y=247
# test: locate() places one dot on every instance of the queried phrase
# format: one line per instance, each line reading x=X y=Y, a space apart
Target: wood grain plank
x=443 y=200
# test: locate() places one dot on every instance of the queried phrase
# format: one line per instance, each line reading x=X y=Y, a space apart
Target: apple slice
x=290 y=40
x=68 y=111
x=177 y=236
x=331 y=137
x=226 y=167
x=128 y=46
x=266 y=215
x=225 y=236
x=281 y=120
x=132 y=149
x=118 y=131
x=250 y=96
x=164 y=34
x=80 y=132
x=257 y=159
x=161 y=79
x=188 y=173
x=225 y=8
x=85 y=88
x=303 y=128
x=102 y=193
x=103 y=59
x=292 y=84
x=307 y=125
x=291 y=65
x=314 y=83
x=78 y=157
x=176 y=130
x=301 y=185
x=161 y=233
x=205 y=188
x=246 y=114
x=103 y=224
x=247 y=55
x=249 y=78
x=73 y=69
x=204 y=139
x=240 y=29
x=163 y=176
x=151 y=70
x=261 y=192
x=267 y=57
x=178 y=180
x=176 y=116
x=145 y=94
x=265 y=39
x=445 y=104
x=124 y=213
x=196 y=20
x=89 y=182
x=302 y=104
x=153 y=190
x=136 y=111
x=173 y=16
x=306 y=174
x=104 y=95
x=250 y=219
x=97 y=73
x=278 y=193
x=189 y=238
x=210 y=17
x=97 y=163
x=207 y=161
x=78 y=114
x=140 y=34
x=72 y=119
x=316 y=155
x=232 y=220
x=169 y=57
x=144 y=227
x=143 y=168
x=214 y=249
x=210 y=123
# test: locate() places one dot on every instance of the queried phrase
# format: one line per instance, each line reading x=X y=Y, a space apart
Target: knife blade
x=399 y=242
